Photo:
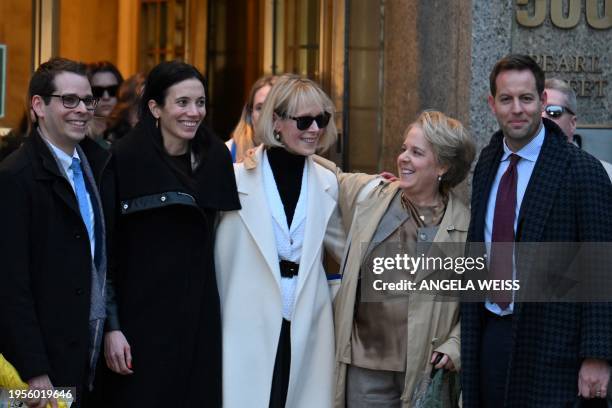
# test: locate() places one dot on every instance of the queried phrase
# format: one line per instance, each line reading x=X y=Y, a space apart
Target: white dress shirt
x=529 y=155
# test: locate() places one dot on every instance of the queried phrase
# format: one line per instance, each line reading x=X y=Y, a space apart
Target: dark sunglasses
x=71 y=101
x=98 y=91
x=555 y=111
x=304 y=122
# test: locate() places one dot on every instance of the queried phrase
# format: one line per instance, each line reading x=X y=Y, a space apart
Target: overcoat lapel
x=490 y=157
x=445 y=243
x=255 y=213
x=60 y=189
x=551 y=158
x=318 y=209
x=367 y=216
x=51 y=171
x=391 y=220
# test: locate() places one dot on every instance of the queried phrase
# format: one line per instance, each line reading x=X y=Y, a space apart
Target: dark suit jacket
x=45 y=265
x=568 y=199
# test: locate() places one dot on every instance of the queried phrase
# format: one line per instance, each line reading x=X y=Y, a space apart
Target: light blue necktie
x=81 y=194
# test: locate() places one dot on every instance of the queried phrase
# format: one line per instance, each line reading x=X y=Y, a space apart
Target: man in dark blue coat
x=531 y=185
x=52 y=246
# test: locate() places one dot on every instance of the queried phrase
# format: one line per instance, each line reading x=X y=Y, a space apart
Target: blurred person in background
x=105 y=80
x=561 y=108
x=243 y=136
x=15 y=137
x=125 y=114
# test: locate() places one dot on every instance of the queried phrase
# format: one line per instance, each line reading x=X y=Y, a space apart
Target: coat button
x=423 y=236
x=163 y=198
x=79 y=292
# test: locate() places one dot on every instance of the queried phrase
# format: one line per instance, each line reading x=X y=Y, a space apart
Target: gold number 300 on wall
x=560 y=19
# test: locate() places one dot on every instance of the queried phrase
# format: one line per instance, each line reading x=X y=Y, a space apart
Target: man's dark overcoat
x=45 y=270
x=568 y=199
x=164 y=277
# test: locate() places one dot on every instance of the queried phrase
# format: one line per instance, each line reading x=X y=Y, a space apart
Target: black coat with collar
x=568 y=199
x=164 y=277
x=45 y=272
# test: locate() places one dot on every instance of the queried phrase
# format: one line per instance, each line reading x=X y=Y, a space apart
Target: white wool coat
x=248 y=276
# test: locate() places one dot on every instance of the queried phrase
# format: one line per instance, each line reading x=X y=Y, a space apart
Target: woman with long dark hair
x=163 y=341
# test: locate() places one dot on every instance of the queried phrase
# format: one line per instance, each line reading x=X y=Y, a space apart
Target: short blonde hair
x=452 y=145
x=243 y=134
x=291 y=93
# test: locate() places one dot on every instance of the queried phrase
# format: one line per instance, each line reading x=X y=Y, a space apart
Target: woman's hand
x=445 y=362
x=388 y=176
x=41 y=383
x=117 y=352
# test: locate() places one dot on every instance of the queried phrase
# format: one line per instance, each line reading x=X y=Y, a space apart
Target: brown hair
x=519 y=63
x=42 y=82
x=128 y=100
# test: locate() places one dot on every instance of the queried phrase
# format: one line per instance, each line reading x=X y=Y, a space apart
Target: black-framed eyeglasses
x=304 y=122
x=98 y=91
x=71 y=101
x=555 y=111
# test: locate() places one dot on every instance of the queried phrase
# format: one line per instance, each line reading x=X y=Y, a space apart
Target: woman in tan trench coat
x=384 y=348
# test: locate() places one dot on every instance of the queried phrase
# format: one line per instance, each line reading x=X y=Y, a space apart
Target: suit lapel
x=319 y=207
x=255 y=212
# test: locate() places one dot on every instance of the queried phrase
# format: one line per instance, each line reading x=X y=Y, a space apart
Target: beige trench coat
x=432 y=326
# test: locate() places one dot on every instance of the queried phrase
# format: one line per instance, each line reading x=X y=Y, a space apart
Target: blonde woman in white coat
x=278 y=334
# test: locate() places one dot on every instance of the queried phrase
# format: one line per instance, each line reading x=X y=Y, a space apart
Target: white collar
x=531 y=150
x=62 y=157
x=276 y=204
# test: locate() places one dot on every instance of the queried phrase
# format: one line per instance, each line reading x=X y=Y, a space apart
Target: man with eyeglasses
x=562 y=109
x=53 y=241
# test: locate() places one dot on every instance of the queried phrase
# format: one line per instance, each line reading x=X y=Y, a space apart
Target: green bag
x=441 y=389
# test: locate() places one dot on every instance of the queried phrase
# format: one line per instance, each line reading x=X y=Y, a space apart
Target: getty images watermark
x=423 y=264
x=537 y=272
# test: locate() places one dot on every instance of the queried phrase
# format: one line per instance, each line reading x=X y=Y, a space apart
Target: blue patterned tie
x=81 y=194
